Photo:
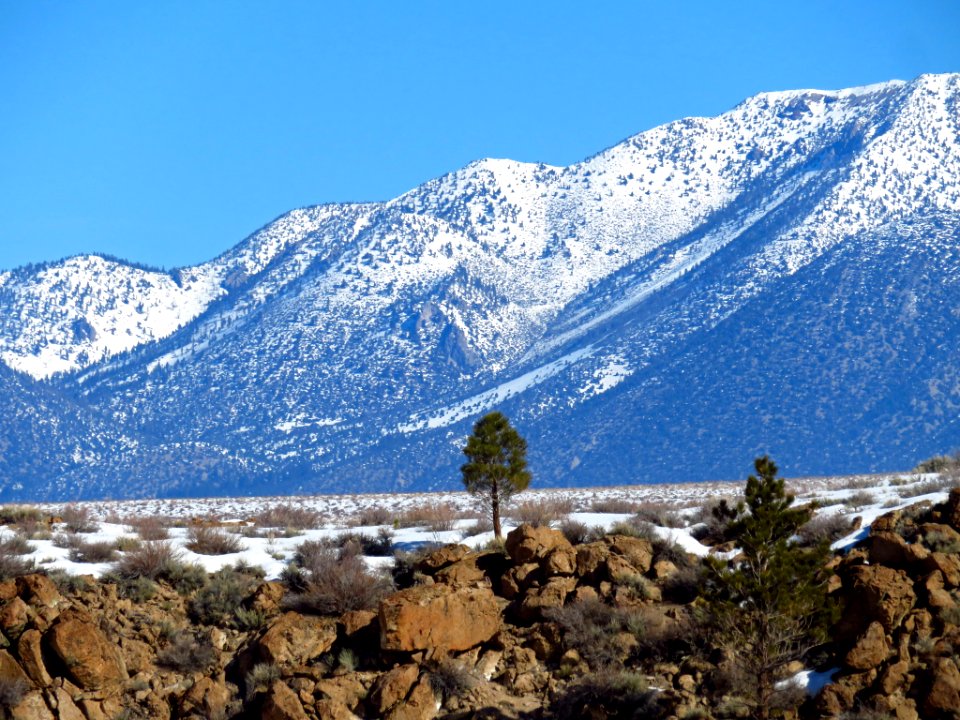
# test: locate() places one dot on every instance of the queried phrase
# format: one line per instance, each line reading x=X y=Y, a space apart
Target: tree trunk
x=495 y=510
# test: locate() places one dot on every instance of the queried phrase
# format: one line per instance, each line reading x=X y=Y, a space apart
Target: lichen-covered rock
x=38 y=590
x=870 y=650
x=438 y=616
x=282 y=703
x=421 y=704
x=392 y=688
x=31 y=658
x=944 y=693
x=441 y=558
x=636 y=551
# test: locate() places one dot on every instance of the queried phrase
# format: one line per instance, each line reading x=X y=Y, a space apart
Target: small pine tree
x=769 y=606
x=496 y=466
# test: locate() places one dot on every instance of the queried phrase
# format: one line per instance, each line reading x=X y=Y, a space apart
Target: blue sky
x=166 y=132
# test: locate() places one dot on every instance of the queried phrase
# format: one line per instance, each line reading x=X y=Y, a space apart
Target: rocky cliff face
x=798 y=253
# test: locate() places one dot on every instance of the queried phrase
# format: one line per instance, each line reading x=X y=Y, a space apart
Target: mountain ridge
x=343 y=340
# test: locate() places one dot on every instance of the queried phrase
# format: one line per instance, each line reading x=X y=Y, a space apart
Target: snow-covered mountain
x=782 y=277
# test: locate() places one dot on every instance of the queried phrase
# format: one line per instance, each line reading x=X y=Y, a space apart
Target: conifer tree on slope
x=771 y=606
x=496 y=466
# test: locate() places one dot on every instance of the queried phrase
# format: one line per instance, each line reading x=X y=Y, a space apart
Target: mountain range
x=781 y=278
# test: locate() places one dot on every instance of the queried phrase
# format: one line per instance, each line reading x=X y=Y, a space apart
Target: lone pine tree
x=769 y=606
x=496 y=466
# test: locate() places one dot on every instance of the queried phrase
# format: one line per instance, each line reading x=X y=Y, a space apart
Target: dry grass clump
x=375 y=515
x=437 y=517
x=825 y=527
x=287 y=516
x=332 y=582
x=609 y=693
x=13 y=565
x=541 y=512
x=860 y=499
x=659 y=514
x=188 y=654
x=20 y=514
x=16 y=545
x=451 y=679
x=211 y=541
x=79 y=519
x=574 y=531
x=594 y=629
x=933 y=485
x=93 y=552
x=614 y=506
x=150 y=528
x=151 y=560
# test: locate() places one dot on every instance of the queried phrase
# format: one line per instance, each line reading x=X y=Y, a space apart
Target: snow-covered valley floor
x=262 y=531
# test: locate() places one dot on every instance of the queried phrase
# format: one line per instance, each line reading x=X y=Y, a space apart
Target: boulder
x=441 y=558
x=894 y=677
x=517 y=579
x=266 y=598
x=31 y=658
x=870 y=650
x=950 y=512
x=532 y=544
x=875 y=592
x=349 y=689
x=560 y=561
x=91 y=660
x=327 y=709
x=358 y=621
x=14 y=617
x=38 y=590
x=10 y=670
x=475 y=569
x=65 y=706
x=282 y=703
x=438 y=616
x=552 y=594
x=32 y=707
x=392 y=688
x=636 y=551
x=945 y=563
x=295 y=639
x=207 y=697
x=591 y=557
x=890 y=549
x=421 y=704
x=944 y=693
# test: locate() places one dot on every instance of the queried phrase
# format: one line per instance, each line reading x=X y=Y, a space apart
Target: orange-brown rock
x=890 y=549
x=92 y=661
x=392 y=688
x=636 y=551
x=31 y=658
x=282 y=703
x=348 y=689
x=482 y=568
x=38 y=590
x=531 y=544
x=552 y=594
x=870 y=650
x=937 y=597
x=895 y=677
x=421 y=704
x=8 y=590
x=356 y=621
x=207 y=697
x=65 y=706
x=662 y=569
x=875 y=592
x=516 y=579
x=266 y=598
x=441 y=557
x=950 y=512
x=10 y=670
x=591 y=557
x=944 y=693
x=14 y=617
x=295 y=639
x=560 y=561
x=328 y=709
x=887 y=522
x=947 y=564
x=32 y=707
x=438 y=616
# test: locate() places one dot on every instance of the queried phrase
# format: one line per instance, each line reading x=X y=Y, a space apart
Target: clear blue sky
x=166 y=132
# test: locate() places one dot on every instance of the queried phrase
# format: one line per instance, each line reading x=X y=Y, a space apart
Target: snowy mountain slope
x=609 y=306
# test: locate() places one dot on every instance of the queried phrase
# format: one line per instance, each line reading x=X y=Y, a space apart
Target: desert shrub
x=933 y=485
x=217 y=602
x=93 y=552
x=250 y=618
x=79 y=519
x=20 y=514
x=939 y=464
x=574 y=531
x=13 y=565
x=12 y=691
x=125 y=543
x=541 y=512
x=860 y=499
x=941 y=542
x=825 y=527
x=671 y=551
x=616 y=694
x=184 y=577
x=478 y=527
x=634 y=527
x=150 y=528
x=138 y=589
x=260 y=678
x=451 y=679
x=150 y=560
x=362 y=544
x=16 y=545
x=188 y=654
x=659 y=514
x=404 y=570
x=591 y=628
x=375 y=515
x=683 y=586
x=249 y=569
x=205 y=540
x=614 y=506
x=437 y=517
x=68 y=584
x=288 y=516
x=337 y=582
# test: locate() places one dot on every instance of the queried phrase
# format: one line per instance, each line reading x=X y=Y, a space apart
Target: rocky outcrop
x=438 y=616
